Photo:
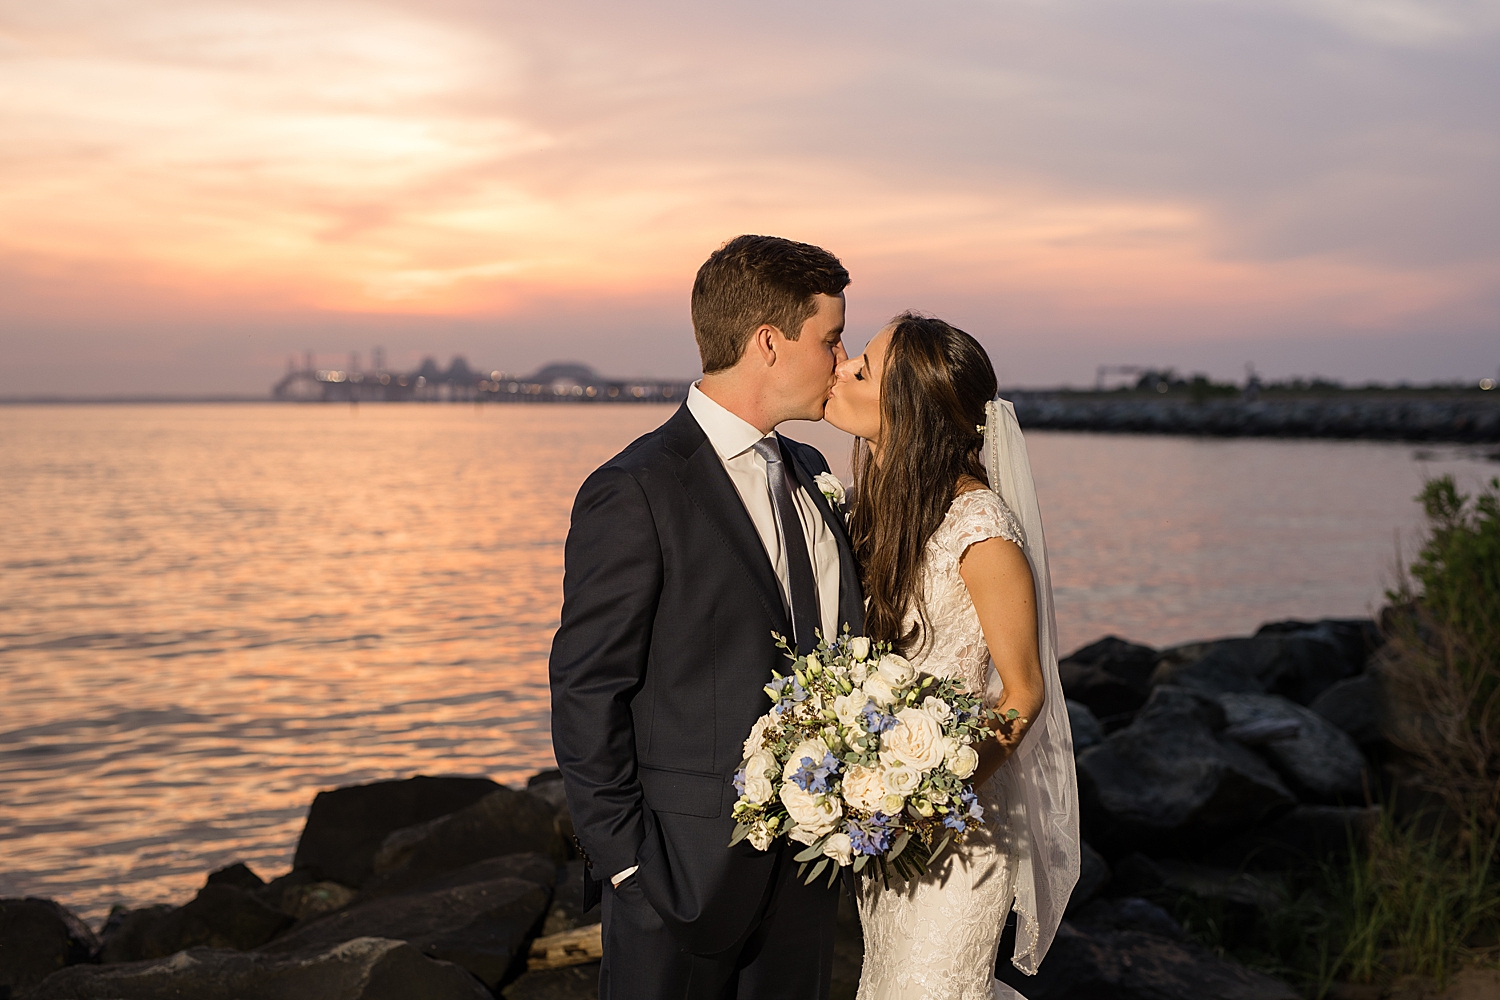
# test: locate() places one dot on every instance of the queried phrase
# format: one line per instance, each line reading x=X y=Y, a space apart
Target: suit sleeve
x=612 y=582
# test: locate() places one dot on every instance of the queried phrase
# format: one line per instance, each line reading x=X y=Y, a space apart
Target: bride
x=946 y=528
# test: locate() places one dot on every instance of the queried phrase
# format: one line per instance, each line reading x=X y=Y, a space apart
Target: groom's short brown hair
x=753 y=281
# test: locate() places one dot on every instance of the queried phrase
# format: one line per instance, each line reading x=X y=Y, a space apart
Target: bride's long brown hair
x=933 y=390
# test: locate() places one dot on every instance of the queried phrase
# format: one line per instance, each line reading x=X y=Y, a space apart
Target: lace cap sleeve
x=978 y=515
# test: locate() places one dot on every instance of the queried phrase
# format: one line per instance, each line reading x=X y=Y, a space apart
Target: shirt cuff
x=622 y=876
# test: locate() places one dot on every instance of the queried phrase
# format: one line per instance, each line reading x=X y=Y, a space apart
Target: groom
x=686 y=551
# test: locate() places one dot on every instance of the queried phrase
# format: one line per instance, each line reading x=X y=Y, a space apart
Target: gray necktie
x=799 y=571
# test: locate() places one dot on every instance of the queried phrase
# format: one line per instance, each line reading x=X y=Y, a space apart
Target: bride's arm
x=1000 y=585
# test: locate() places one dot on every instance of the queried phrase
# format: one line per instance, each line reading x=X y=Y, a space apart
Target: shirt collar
x=729 y=434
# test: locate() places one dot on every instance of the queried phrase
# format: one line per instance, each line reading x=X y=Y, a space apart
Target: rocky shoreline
x=1461 y=421
x=1211 y=774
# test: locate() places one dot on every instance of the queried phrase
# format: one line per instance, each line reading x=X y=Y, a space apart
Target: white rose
x=916 y=740
x=897 y=670
x=815 y=815
x=963 y=761
x=937 y=708
x=813 y=664
x=850 y=707
x=757 y=737
x=830 y=486
x=759 y=836
x=758 y=787
x=858 y=671
x=859 y=647
x=893 y=804
x=807 y=748
x=864 y=788
x=879 y=690
x=840 y=848
x=900 y=780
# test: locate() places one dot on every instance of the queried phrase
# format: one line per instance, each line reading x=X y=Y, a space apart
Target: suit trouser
x=787 y=953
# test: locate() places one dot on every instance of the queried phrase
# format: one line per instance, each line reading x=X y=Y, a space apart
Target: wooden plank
x=575 y=947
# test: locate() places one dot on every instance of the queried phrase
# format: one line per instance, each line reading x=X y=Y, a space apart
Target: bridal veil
x=1041 y=784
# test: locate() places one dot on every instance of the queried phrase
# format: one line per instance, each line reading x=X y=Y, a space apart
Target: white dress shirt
x=734 y=440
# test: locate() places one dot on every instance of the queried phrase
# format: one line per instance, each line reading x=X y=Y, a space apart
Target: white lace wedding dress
x=936 y=938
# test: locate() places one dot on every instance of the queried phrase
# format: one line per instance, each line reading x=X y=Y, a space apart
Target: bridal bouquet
x=862 y=758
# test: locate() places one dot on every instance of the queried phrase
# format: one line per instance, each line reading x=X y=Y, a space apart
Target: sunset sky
x=192 y=191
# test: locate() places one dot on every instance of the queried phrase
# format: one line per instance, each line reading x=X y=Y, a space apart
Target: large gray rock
x=1319 y=761
x=504 y=822
x=346 y=826
x=1237 y=903
x=577 y=982
x=1085 y=726
x=37 y=938
x=1111 y=676
x=220 y=916
x=362 y=969
x=1105 y=963
x=1357 y=706
x=1297 y=664
x=480 y=918
x=1093 y=875
x=1169 y=773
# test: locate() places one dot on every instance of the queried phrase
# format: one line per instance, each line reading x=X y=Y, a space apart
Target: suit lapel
x=703 y=477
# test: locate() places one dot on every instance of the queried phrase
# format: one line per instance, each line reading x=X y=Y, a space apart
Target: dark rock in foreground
x=1111 y=676
x=479 y=918
x=1299 y=665
x=577 y=982
x=503 y=822
x=37 y=938
x=1357 y=706
x=1319 y=761
x=1104 y=962
x=220 y=916
x=1169 y=772
x=1093 y=875
x=1085 y=725
x=362 y=969
x=346 y=826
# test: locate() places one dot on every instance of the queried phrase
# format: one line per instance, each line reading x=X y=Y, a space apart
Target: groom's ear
x=763 y=344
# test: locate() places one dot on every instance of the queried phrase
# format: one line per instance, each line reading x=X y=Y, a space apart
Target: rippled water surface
x=208 y=613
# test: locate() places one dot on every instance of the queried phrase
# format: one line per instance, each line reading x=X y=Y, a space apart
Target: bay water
x=208 y=613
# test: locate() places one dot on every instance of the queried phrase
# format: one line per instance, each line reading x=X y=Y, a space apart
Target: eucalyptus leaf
x=741 y=831
x=900 y=845
x=817 y=870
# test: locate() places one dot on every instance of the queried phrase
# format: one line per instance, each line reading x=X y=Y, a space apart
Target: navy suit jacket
x=657 y=670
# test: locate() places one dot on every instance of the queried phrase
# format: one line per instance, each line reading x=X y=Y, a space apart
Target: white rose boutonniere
x=830 y=487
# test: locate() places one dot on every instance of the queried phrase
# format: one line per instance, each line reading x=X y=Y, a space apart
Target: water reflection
x=209 y=613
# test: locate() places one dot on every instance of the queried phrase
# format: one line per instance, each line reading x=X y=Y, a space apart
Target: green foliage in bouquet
x=863 y=759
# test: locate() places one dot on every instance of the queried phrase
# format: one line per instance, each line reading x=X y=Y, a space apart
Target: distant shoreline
x=1406 y=416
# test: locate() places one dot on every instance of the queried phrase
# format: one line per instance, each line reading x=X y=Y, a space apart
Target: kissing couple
x=695 y=544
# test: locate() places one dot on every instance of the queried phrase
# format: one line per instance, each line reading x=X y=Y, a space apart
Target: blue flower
x=813 y=776
x=739 y=781
x=971 y=803
x=870 y=836
x=877 y=721
x=954 y=821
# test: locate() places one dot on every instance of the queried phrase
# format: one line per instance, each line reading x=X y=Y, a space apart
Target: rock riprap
x=346 y=826
x=37 y=938
x=360 y=969
x=1170 y=773
x=1319 y=761
x=480 y=918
